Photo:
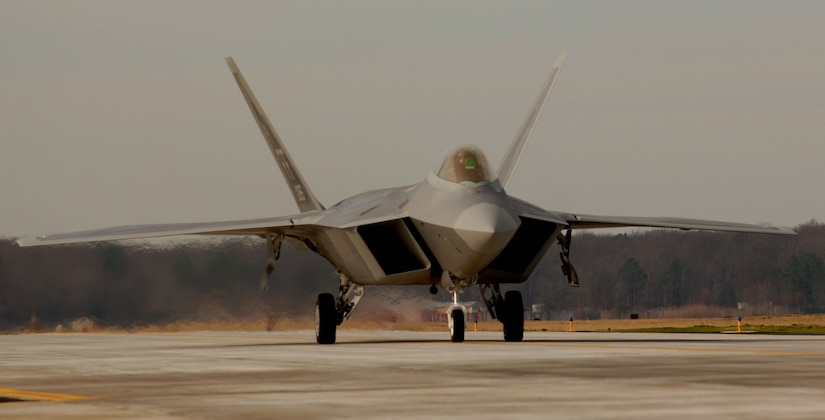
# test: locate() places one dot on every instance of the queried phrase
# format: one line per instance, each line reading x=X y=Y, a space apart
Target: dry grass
x=817 y=320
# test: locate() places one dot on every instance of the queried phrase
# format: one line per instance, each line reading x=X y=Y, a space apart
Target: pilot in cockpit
x=465 y=164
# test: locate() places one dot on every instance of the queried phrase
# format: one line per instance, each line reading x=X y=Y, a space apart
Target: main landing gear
x=566 y=266
x=325 y=319
x=273 y=252
x=330 y=312
x=508 y=309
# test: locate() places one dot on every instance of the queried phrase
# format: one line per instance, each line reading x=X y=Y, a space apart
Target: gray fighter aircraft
x=457 y=228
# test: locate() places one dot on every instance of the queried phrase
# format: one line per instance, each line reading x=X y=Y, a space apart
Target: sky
x=120 y=113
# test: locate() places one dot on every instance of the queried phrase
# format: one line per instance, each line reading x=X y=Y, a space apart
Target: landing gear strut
x=566 y=266
x=509 y=309
x=273 y=252
x=457 y=312
x=330 y=312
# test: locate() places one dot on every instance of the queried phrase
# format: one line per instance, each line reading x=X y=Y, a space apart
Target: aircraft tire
x=514 y=321
x=457 y=332
x=325 y=319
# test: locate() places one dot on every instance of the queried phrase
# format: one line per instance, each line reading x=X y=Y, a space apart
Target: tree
x=633 y=279
x=801 y=277
x=671 y=284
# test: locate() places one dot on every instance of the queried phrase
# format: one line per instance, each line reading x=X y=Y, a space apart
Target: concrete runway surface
x=402 y=374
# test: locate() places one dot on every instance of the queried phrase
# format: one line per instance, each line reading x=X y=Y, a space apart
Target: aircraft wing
x=314 y=222
x=582 y=221
x=586 y=221
x=256 y=227
x=366 y=208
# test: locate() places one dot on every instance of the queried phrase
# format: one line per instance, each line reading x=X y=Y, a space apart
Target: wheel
x=457 y=330
x=514 y=321
x=326 y=318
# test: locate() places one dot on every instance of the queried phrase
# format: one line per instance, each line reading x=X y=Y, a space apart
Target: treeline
x=667 y=272
x=128 y=285
x=660 y=272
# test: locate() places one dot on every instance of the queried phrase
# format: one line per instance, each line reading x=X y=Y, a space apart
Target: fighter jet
x=455 y=229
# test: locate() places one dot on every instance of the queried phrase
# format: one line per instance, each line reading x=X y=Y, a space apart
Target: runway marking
x=42 y=396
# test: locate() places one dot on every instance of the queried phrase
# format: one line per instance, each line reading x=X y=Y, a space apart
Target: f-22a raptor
x=455 y=229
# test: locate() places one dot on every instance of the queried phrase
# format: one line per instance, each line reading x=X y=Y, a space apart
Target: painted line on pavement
x=42 y=396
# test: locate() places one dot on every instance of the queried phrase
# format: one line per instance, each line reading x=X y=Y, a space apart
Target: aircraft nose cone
x=486 y=227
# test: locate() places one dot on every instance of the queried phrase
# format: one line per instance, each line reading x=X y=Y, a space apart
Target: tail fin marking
x=304 y=197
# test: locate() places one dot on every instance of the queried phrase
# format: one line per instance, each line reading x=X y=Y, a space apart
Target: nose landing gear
x=456 y=321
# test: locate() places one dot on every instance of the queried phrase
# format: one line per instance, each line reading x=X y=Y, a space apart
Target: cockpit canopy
x=464 y=163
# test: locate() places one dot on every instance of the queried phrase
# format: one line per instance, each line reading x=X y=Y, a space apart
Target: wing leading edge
x=582 y=221
x=586 y=221
x=259 y=227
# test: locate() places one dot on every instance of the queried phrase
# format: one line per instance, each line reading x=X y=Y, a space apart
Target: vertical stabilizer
x=300 y=190
x=513 y=155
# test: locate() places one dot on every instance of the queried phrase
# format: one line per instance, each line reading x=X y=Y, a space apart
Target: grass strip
x=758 y=329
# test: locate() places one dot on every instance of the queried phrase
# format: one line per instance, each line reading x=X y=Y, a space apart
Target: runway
x=402 y=374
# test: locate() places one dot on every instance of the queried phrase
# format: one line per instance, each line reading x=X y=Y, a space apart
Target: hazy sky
x=115 y=112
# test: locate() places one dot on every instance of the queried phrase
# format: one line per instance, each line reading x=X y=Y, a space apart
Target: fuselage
x=465 y=225
x=455 y=222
